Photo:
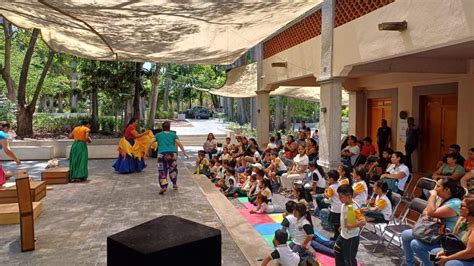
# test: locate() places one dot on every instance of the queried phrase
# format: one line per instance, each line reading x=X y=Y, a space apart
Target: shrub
x=7 y=110
x=107 y=123
x=165 y=115
x=46 y=123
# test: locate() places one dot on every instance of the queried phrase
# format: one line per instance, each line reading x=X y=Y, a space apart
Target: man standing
x=411 y=141
x=384 y=137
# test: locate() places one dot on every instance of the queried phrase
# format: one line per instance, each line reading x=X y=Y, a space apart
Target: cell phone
x=259 y=259
x=434 y=257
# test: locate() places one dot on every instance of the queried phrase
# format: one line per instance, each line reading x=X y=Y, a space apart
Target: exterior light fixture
x=394 y=26
x=324 y=110
x=279 y=64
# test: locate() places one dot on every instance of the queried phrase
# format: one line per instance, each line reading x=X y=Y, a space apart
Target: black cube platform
x=167 y=240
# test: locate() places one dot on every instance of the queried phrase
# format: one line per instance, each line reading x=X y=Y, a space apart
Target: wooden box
x=37 y=188
x=58 y=175
x=10 y=214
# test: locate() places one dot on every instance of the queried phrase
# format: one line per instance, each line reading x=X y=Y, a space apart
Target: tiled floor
x=78 y=217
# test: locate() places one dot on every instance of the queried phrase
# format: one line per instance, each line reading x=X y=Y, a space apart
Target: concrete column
x=263 y=117
x=357 y=113
x=253 y=114
x=330 y=124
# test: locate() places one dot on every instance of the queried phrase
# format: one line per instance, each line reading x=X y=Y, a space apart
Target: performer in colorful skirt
x=79 y=156
x=4 y=128
x=167 y=154
x=132 y=149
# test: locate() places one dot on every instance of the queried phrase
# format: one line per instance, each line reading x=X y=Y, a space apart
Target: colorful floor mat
x=267 y=224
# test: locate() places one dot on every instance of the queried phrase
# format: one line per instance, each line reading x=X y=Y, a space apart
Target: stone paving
x=78 y=217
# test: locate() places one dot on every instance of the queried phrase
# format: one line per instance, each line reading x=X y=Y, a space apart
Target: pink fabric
x=2 y=176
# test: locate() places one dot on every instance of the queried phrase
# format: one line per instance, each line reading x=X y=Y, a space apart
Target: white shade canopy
x=242 y=83
x=184 y=32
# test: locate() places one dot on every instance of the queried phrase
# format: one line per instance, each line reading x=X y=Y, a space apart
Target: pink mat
x=249 y=206
x=256 y=218
x=326 y=260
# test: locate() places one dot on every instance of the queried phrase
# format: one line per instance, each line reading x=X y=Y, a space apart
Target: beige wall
x=431 y=24
x=303 y=59
x=404 y=84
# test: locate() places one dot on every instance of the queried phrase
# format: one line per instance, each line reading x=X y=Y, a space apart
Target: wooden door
x=378 y=109
x=438 y=128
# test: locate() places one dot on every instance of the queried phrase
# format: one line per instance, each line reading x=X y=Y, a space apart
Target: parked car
x=192 y=112
x=202 y=114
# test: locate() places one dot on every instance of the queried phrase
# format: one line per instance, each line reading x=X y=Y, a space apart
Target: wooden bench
x=10 y=214
x=37 y=188
x=58 y=175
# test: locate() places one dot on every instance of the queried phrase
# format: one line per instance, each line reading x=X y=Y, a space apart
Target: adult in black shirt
x=411 y=141
x=384 y=137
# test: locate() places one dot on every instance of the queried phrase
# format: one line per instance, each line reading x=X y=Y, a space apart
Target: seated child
x=202 y=164
x=382 y=210
x=282 y=254
x=343 y=175
x=263 y=205
x=360 y=187
x=276 y=167
x=317 y=177
x=303 y=230
x=229 y=182
x=323 y=246
x=225 y=155
x=244 y=189
x=329 y=192
x=299 y=195
x=347 y=243
x=265 y=190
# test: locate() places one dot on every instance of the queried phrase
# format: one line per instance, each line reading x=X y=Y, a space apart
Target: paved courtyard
x=78 y=217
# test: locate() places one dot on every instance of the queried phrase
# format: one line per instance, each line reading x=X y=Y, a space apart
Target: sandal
x=162 y=191
x=175 y=187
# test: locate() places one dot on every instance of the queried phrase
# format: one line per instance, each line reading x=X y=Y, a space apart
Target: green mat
x=268 y=239
x=243 y=199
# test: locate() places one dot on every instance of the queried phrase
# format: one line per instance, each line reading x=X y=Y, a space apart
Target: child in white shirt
x=282 y=254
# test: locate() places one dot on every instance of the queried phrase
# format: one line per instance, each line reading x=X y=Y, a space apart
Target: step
x=10 y=214
x=32 y=153
x=98 y=151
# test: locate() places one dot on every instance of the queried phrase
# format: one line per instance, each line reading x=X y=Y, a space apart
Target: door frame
x=427 y=90
x=385 y=94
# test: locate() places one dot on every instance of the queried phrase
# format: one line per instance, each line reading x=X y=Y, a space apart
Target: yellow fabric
x=139 y=148
x=80 y=133
x=329 y=192
x=344 y=181
x=380 y=204
x=359 y=216
x=359 y=187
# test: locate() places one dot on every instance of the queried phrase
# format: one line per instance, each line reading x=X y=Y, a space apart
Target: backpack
x=428 y=229
x=325 y=222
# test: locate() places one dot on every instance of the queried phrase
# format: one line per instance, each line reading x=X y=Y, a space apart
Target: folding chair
x=417 y=205
x=423 y=183
x=396 y=200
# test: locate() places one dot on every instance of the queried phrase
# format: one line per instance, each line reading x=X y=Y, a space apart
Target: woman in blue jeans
x=464 y=231
x=444 y=203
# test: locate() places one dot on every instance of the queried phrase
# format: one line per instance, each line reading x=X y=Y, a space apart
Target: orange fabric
x=329 y=192
x=80 y=133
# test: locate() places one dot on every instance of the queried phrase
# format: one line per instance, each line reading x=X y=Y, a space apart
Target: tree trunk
x=278 y=112
x=95 y=110
x=42 y=104
x=289 y=114
x=201 y=99
x=25 y=128
x=215 y=101
x=60 y=103
x=166 y=96
x=25 y=68
x=138 y=89
x=74 y=98
x=155 y=82
x=142 y=108
x=51 y=104
x=25 y=114
x=6 y=75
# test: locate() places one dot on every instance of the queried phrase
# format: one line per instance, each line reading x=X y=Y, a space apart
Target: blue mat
x=267 y=229
x=320 y=235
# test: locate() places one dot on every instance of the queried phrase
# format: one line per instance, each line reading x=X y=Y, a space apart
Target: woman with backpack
x=444 y=204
